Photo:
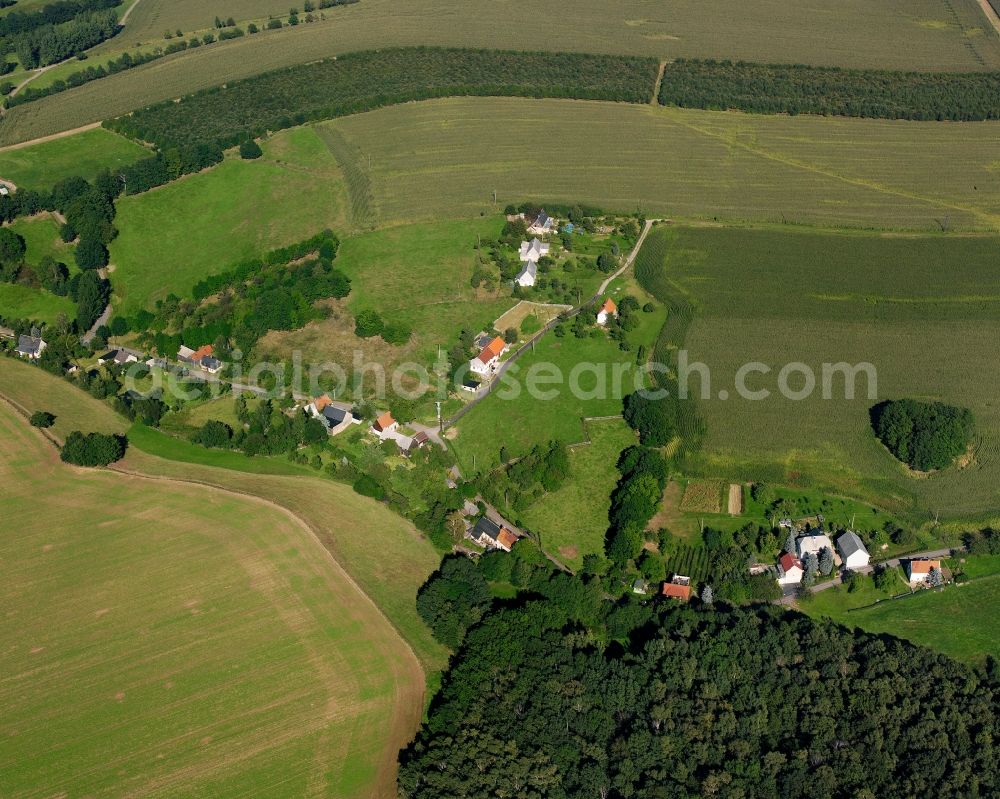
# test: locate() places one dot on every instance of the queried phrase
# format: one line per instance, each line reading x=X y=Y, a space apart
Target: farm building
x=533 y=250
x=608 y=310
x=789 y=570
x=31 y=347
x=120 y=357
x=815 y=543
x=486 y=362
x=543 y=223
x=528 y=274
x=679 y=587
x=917 y=571
x=385 y=425
x=334 y=417
x=853 y=553
x=491 y=535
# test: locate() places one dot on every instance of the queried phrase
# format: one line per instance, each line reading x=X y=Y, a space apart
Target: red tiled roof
x=321 y=402
x=924 y=566
x=492 y=350
x=675 y=591
x=506 y=537
x=202 y=352
x=789 y=561
x=609 y=306
x=384 y=421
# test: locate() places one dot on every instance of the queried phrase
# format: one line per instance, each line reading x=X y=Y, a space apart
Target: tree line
x=831 y=91
x=361 y=81
x=53 y=43
x=649 y=701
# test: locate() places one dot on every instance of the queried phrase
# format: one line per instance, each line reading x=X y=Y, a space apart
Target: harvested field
x=200 y=655
x=735 y=504
x=445 y=158
x=949 y=35
x=543 y=312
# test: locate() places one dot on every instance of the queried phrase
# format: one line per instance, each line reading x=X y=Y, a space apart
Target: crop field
x=446 y=158
x=151 y=18
x=896 y=34
x=689 y=561
x=573 y=521
x=960 y=620
x=83 y=154
x=156 y=645
x=175 y=235
x=924 y=311
x=702 y=496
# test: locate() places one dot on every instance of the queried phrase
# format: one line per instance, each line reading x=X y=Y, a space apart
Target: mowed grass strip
x=167 y=638
x=573 y=521
x=446 y=158
x=84 y=154
x=895 y=34
x=173 y=236
x=923 y=310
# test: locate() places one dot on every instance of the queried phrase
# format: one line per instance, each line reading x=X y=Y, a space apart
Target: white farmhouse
x=529 y=272
x=608 y=310
x=789 y=570
x=533 y=250
x=852 y=551
x=814 y=543
x=488 y=361
x=917 y=571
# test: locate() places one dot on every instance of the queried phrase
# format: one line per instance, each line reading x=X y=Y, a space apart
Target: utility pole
x=440 y=421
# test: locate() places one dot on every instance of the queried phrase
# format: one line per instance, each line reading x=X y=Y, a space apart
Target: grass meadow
x=446 y=158
x=924 y=310
x=519 y=421
x=959 y=620
x=573 y=521
x=82 y=154
x=164 y=638
x=173 y=236
x=25 y=302
x=41 y=238
x=949 y=35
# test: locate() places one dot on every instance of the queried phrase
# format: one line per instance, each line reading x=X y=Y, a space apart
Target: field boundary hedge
x=831 y=91
x=226 y=115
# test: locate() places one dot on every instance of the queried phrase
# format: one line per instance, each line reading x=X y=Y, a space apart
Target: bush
x=250 y=150
x=368 y=324
x=368 y=486
x=67 y=233
x=42 y=419
x=653 y=419
x=214 y=434
x=93 y=449
x=396 y=333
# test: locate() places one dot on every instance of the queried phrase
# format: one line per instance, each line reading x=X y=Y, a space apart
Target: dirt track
x=52 y=137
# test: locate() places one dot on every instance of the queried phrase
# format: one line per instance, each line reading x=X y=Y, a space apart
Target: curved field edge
x=927 y=34
x=253 y=614
x=384 y=558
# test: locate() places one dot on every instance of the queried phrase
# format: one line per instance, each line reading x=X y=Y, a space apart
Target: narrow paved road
x=87 y=337
x=483 y=393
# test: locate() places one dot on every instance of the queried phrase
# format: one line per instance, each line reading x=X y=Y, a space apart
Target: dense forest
x=714 y=702
x=924 y=435
x=362 y=81
x=788 y=89
x=57 y=31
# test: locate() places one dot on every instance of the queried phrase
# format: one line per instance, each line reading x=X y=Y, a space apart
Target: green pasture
x=25 y=302
x=41 y=238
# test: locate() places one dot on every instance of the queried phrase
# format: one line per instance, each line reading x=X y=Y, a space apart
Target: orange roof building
x=204 y=351
x=493 y=350
x=384 y=422
x=609 y=306
x=918 y=570
x=674 y=590
x=506 y=539
x=321 y=402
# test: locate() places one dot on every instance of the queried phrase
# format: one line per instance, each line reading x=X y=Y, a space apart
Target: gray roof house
x=852 y=551
x=527 y=275
x=31 y=347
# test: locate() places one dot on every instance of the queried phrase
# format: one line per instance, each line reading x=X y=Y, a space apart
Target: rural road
x=991 y=14
x=495 y=381
x=87 y=337
x=42 y=70
x=789 y=598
